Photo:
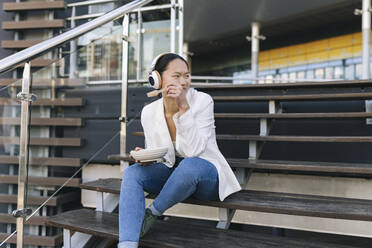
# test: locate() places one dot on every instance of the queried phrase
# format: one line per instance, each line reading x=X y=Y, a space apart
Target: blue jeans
x=194 y=177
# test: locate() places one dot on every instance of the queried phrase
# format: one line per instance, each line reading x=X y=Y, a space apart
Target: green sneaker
x=148 y=221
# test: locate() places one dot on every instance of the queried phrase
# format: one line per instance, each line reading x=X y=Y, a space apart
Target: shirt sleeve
x=195 y=129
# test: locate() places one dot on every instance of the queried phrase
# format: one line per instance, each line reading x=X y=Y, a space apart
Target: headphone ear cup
x=155 y=80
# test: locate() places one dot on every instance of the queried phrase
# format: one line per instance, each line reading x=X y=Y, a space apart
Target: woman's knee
x=131 y=173
x=192 y=167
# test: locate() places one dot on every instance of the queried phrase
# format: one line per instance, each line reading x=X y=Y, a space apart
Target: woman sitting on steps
x=182 y=120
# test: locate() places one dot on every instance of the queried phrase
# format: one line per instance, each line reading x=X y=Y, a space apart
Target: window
x=339 y=72
x=319 y=73
x=349 y=72
x=310 y=74
x=329 y=73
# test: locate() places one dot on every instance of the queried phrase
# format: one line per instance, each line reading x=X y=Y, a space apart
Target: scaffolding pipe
x=366 y=32
x=255 y=48
x=124 y=90
x=173 y=27
x=181 y=51
x=139 y=45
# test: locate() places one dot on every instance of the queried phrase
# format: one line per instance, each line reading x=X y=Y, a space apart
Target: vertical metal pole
x=73 y=47
x=180 y=31
x=173 y=27
x=139 y=45
x=124 y=89
x=366 y=31
x=23 y=152
x=255 y=49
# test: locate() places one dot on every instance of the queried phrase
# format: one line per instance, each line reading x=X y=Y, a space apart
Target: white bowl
x=150 y=154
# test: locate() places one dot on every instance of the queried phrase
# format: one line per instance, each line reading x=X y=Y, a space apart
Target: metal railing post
x=124 y=89
x=73 y=47
x=255 y=49
x=25 y=97
x=139 y=45
x=180 y=30
x=366 y=32
x=173 y=27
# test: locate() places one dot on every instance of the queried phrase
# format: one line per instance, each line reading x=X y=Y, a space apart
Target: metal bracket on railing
x=260 y=37
x=358 y=12
x=123 y=119
x=21 y=96
x=125 y=38
x=22 y=213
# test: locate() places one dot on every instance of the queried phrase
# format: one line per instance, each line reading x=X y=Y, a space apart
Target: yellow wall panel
x=341 y=41
x=357 y=50
x=277 y=63
x=316 y=46
x=341 y=53
x=264 y=55
x=279 y=53
x=318 y=57
x=297 y=60
x=357 y=38
x=296 y=50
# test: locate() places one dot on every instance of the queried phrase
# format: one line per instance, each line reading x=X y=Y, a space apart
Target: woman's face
x=177 y=73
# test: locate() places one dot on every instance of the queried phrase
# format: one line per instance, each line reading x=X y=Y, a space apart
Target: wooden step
x=73 y=122
x=325 y=84
x=51 y=241
x=38 y=200
x=41 y=181
x=40 y=62
x=34 y=220
x=43 y=141
x=38 y=5
x=18 y=44
x=38 y=24
x=65 y=102
x=283 y=138
x=174 y=235
x=52 y=82
x=270 y=202
x=292 y=115
x=355 y=168
x=52 y=161
x=298 y=97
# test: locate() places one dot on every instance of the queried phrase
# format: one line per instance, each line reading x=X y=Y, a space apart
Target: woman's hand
x=137 y=161
x=178 y=93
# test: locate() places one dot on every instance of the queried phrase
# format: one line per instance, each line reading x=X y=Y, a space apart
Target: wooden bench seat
x=65 y=102
x=34 y=220
x=38 y=5
x=325 y=84
x=244 y=137
x=293 y=115
x=38 y=200
x=51 y=241
x=354 y=168
x=34 y=24
x=270 y=202
x=298 y=97
x=43 y=141
x=50 y=161
x=174 y=235
x=75 y=122
x=45 y=82
x=41 y=181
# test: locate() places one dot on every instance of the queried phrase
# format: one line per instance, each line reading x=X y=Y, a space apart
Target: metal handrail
x=29 y=53
x=92 y=2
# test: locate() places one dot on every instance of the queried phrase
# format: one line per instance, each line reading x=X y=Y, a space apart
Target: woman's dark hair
x=163 y=62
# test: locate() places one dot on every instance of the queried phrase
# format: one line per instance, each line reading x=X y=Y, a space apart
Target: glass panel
x=292 y=77
x=284 y=78
x=310 y=74
x=349 y=72
x=339 y=72
x=358 y=71
x=319 y=73
x=329 y=73
x=300 y=75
